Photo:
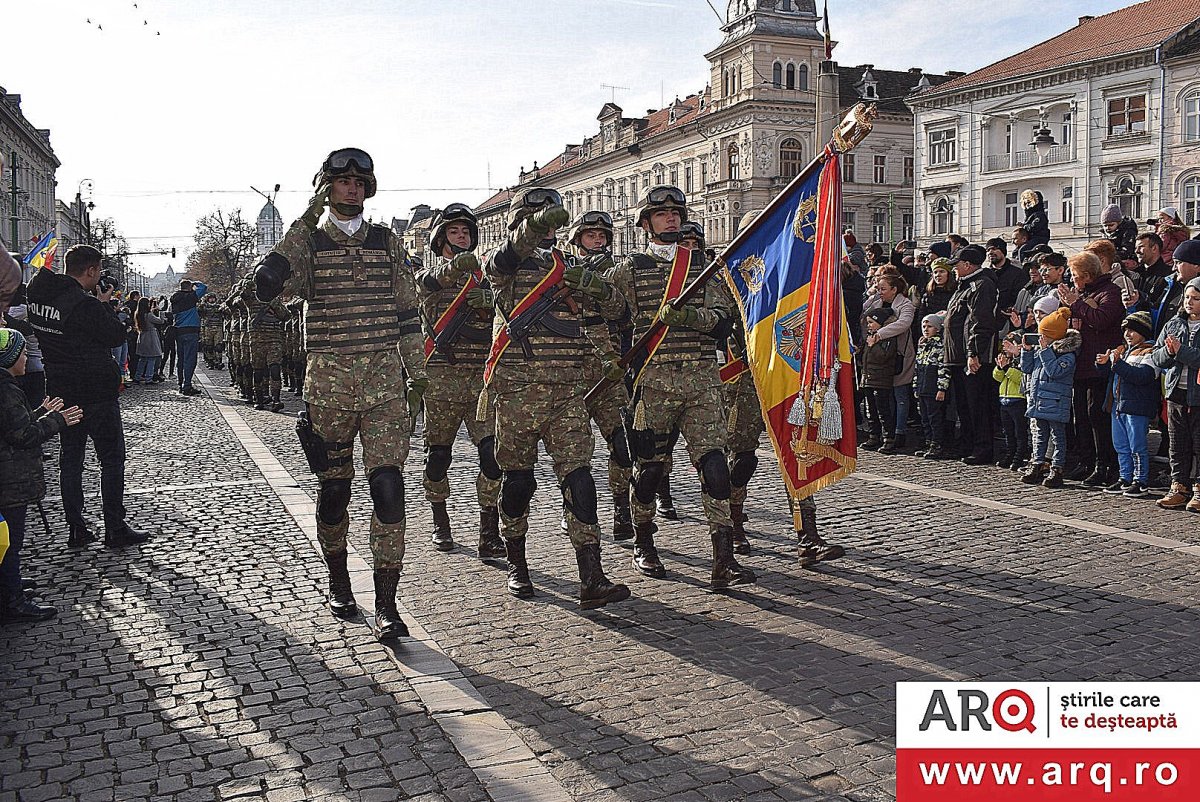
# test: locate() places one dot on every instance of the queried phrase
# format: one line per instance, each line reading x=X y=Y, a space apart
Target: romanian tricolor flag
x=785 y=273
x=42 y=254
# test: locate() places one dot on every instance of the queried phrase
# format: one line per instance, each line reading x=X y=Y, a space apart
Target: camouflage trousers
x=266 y=357
x=384 y=432
x=451 y=401
x=744 y=424
x=554 y=415
x=211 y=337
x=608 y=411
x=691 y=403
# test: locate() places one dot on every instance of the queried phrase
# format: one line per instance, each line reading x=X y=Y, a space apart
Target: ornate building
x=34 y=173
x=769 y=106
x=269 y=227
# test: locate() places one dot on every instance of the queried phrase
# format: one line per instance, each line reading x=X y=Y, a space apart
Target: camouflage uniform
x=239 y=311
x=266 y=347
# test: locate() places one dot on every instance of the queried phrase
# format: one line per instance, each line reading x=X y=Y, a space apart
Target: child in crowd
x=22 y=432
x=932 y=382
x=1177 y=352
x=1051 y=371
x=1012 y=408
x=1133 y=398
x=879 y=373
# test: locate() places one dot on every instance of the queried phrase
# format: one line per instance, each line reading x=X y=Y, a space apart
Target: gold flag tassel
x=481 y=408
x=830 y=430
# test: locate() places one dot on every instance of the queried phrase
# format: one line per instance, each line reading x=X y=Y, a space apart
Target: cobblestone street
x=205 y=666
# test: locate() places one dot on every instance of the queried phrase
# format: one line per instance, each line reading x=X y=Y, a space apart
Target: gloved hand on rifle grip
x=613 y=371
x=686 y=316
x=587 y=282
x=481 y=298
x=549 y=218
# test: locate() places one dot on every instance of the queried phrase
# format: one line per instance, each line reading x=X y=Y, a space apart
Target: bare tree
x=113 y=246
x=225 y=248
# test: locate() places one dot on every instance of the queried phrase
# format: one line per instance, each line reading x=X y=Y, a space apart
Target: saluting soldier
x=362 y=334
x=266 y=347
x=457 y=310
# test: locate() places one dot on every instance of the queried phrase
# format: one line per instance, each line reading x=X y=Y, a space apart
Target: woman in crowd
x=890 y=293
x=149 y=347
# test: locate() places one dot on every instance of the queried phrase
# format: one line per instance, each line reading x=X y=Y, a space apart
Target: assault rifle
x=520 y=326
x=444 y=340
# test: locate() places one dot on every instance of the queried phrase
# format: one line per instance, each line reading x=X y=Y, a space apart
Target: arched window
x=941 y=216
x=1128 y=195
x=737 y=75
x=725 y=83
x=1191 y=117
x=802 y=78
x=791 y=158
x=791 y=76
x=735 y=171
x=1190 y=192
x=777 y=75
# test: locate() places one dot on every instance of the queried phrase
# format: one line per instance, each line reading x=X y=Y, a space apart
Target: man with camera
x=184 y=310
x=77 y=329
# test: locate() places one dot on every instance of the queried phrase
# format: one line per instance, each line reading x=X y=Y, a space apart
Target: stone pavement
x=204 y=666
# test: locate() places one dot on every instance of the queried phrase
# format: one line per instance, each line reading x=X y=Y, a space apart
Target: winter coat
x=183 y=307
x=971 y=322
x=1133 y=387
x=1181 y=371
x=1010 y=380
x=1124 y=238
x=930 y=375
x=1051 y=371
x=854 y=290
x=148 y=343
x=1037 y=222
x=1171 y=236
x=1150 y=281
x=21 y=435
x=901 y=330
x=935 y=301
x=879 y=365
x=1100 y=312
x=1009 y=281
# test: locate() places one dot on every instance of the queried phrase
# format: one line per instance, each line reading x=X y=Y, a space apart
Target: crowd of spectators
x=1054 y=366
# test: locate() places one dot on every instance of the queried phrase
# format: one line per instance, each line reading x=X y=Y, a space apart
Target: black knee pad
x=487 y=459
x=437 y=462
x=646 y=477
x=387 y=493
x=619 y=448
x=742 y=467
x=579 y=495
x=714 y=473
x=332 y=499
x=516 y=491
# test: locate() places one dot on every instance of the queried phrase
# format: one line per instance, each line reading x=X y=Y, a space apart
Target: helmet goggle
x=541 y=196
x=596 y=220
x=660 y=196
x=342 y=161
x=456 y=212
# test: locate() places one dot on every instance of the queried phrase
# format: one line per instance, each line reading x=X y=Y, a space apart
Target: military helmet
x=663 y=197
x=528 y=200
x=692 y=230
x=454 y=213
x=592 y=221
x=348 y=161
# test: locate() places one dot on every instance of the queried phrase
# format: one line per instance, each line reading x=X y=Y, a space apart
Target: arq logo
x=1011 y=710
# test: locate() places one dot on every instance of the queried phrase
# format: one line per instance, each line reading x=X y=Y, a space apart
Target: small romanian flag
x=42 y=254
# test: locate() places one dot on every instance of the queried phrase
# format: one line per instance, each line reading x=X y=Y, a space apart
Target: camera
x=1032 y=339
x=108 y=283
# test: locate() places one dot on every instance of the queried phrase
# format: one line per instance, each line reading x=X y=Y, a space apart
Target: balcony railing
x=1026 y=158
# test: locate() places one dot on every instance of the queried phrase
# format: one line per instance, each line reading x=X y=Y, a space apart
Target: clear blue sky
x=177 y=106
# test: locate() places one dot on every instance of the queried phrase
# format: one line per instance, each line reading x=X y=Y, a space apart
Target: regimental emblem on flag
x=804 y=225
x=753 y=270
x=789 y=336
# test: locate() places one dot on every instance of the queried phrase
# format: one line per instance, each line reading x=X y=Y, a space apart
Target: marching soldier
x=266 y=347
x=216 y=320
x=239 y=312
x=591 y=237
x=457 y=312
x=535 y=375
x=679 y=385
x=294 y=343
x=362 y=334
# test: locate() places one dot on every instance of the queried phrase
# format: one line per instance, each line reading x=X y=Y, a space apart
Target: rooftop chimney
x=1086 y=18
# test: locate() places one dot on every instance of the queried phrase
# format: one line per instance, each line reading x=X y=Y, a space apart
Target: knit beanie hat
x=1111 y=214
x=1047 y=304
x=1141 y=323
x=12 y=343
x=936 y=320
x=1054 y=325
x=1187 y=251
x=881 y=315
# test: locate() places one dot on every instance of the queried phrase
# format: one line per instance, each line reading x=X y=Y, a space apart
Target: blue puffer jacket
x=1133 y=387
x=1051 y=372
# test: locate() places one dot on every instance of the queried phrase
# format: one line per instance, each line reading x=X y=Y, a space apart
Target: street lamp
x=1043 y=141
x=85 y=217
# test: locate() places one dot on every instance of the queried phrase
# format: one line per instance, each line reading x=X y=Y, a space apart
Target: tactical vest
x=681 y=343
x=558 y=339
x=353 y=305
x=475 y=337
x=262 y=316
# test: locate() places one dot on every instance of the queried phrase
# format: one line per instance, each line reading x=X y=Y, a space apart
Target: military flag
x=42 y=254
x=785 y=273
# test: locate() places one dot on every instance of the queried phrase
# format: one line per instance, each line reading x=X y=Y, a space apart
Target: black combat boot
x=622 y=519
x=276 y=404
x=491 y=545
x=741 y=544
x=645 y=555
x=666 y=505
x=443 y=540
x=810 y=546
x=21 y=609
x=80 y=536
x=123 y=535
x=341 y=597
x=262 y=401
x=518 y=570
x=594 y=588
x=388 y=625
x=726 y=572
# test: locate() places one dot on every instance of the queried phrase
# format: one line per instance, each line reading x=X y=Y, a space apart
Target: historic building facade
x=268 y=228
x=35 y=165
x=733 y=146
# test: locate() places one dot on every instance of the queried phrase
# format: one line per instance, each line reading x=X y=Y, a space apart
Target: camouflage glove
x=544 y=220
x=686 y=316
x=316 y=205
x=481 y=298
x=416 y=392
x=464 y=263
x=613 y=371
x=587 y=282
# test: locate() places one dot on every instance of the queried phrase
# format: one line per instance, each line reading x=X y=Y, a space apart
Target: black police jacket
x=77 y=333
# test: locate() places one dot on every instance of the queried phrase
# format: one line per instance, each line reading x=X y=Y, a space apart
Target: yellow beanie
x=1054 y=325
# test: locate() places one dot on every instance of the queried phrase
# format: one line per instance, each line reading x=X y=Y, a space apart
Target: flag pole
x=853 y=129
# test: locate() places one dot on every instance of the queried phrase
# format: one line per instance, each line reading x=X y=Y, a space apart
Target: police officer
x=77 y=329
x=679 y=386
x=535 y=374
x=362 y=335
x=591 y=238
x=457 y=316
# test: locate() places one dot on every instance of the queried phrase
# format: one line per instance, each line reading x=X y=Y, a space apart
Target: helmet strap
x=349 y=209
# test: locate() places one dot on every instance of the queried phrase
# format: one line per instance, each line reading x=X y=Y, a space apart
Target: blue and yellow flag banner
x=42 y=254
x=786 y=277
